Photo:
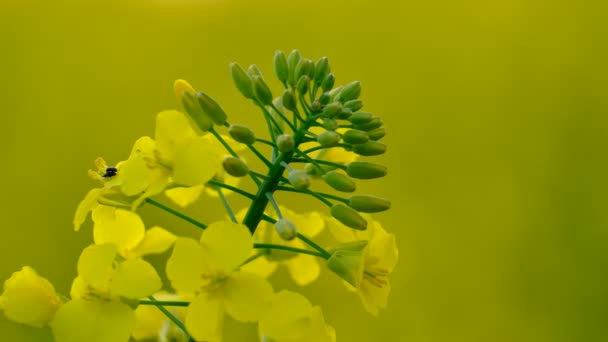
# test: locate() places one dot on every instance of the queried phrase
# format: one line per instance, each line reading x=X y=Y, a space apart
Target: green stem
x=257 y=174
x=312 y=244
x=226 y=204
x=172 y=317
x=176 y=213
x=230 y=187
x=254 y=257
x=310 y=192
x=269 y=116
x=163 y=303
x=268 y=219
x=264 y=141
x=322 y=147
x=274 y=205
x=290 y=249
x=312 y=161
x=293 y=128
x=323 y=162
x=223 y=142
x=259 y=155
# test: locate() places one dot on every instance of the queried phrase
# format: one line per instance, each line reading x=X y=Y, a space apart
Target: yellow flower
x=291 y=318
x=209 y=270
x=151 y=323
x=29 y=298
x=378 y=260
x=303 y=268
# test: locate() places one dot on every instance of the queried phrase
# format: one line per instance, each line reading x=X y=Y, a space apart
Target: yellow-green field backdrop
x=497 y=113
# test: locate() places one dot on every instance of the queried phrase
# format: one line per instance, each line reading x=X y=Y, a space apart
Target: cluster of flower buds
x=316 y=133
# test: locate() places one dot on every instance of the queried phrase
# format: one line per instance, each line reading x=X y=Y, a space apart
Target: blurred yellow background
x=497 y=115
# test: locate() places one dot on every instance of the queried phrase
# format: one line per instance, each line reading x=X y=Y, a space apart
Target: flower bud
x=280 y=66
x=199 y=119
x=331 y=109
x=377 y=133
x=212 y=108
x=351 y=91
x=289 y=100
x=235 y=166
x=180 y=87
x=354 y=105
x=347 y=261
x=321 y=70
x=241 y=80
x=360 y=118
x=370 y=148
x=286 y=229
x=355 y=136
x=261 y=91
x=305 y=68
x=330 y=124
x=348 y=216
x=365 y=170
x=302 y=86
x=344 y=114
x=324 y=98
x=29 y=298
x=315 y=106
x=292 y=61
x=334 y=92
x=299 y=179
x=368 y=204
x=285 y=143
x=254 y=71
x=339 y=181
x=242 y=134
x=328 y=138
x=376 y=122
x=328 y=82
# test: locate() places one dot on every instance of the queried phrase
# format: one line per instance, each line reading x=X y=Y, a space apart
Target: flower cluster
x=317 y=132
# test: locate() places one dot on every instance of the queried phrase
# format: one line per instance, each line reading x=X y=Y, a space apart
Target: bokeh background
x=497 y=114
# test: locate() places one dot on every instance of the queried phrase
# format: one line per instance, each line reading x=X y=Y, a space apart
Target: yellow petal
x=228 y=244
x=93 y=321
x=246 y=295
x=234 y=145
x=79 y=289
x=195 y=163
x=150 y=321
x=261 y=266
x=95 y=265
x=29 y=298
x=186 y=266
x=205 y=318
x=319 y=330
x=304 y=269
x=123 y=228
x=287 y=318
x=87 y=204
x=172 y=131
x=374 y=297
x=184 y=196
x=309 y=224
x=157 y=240
x=135 y=279
x=383 y=248
x=211 y=190
x=135 y=176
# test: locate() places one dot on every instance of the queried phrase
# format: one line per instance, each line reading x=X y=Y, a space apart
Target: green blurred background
x=498 y=127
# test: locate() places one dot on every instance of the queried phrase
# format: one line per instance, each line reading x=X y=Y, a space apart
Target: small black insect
x=110 y=172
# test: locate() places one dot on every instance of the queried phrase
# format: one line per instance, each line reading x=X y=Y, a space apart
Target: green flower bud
x=254 y=71
x=328 y=138
x=328 y=82
x=199 y=119
x=334 y=92
x=331 y=109
x=285 y=143
x=330 y=124
x=302 y=86
x=354 y=105
x=235 y=167
x=321 y=70
x=339 y=181
x=286 y=229
x=305 y=67
x=377 y=134
x=351 y=91
x=311 y=170
x=365 y=170
x=348 y=265
x=315 y=106
x=348 y=216
x=376 y=122
x=368 y=204
x=370 y=148
x=280 y=66
x=241 y=80
x=242 y=134
x=355 y=136
x=299 y=179
x=360 y=118
x=344 y=114
x=212 y=108
x=289 y=100
x=324 y=98
x=261 y=91
x=292 y=61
